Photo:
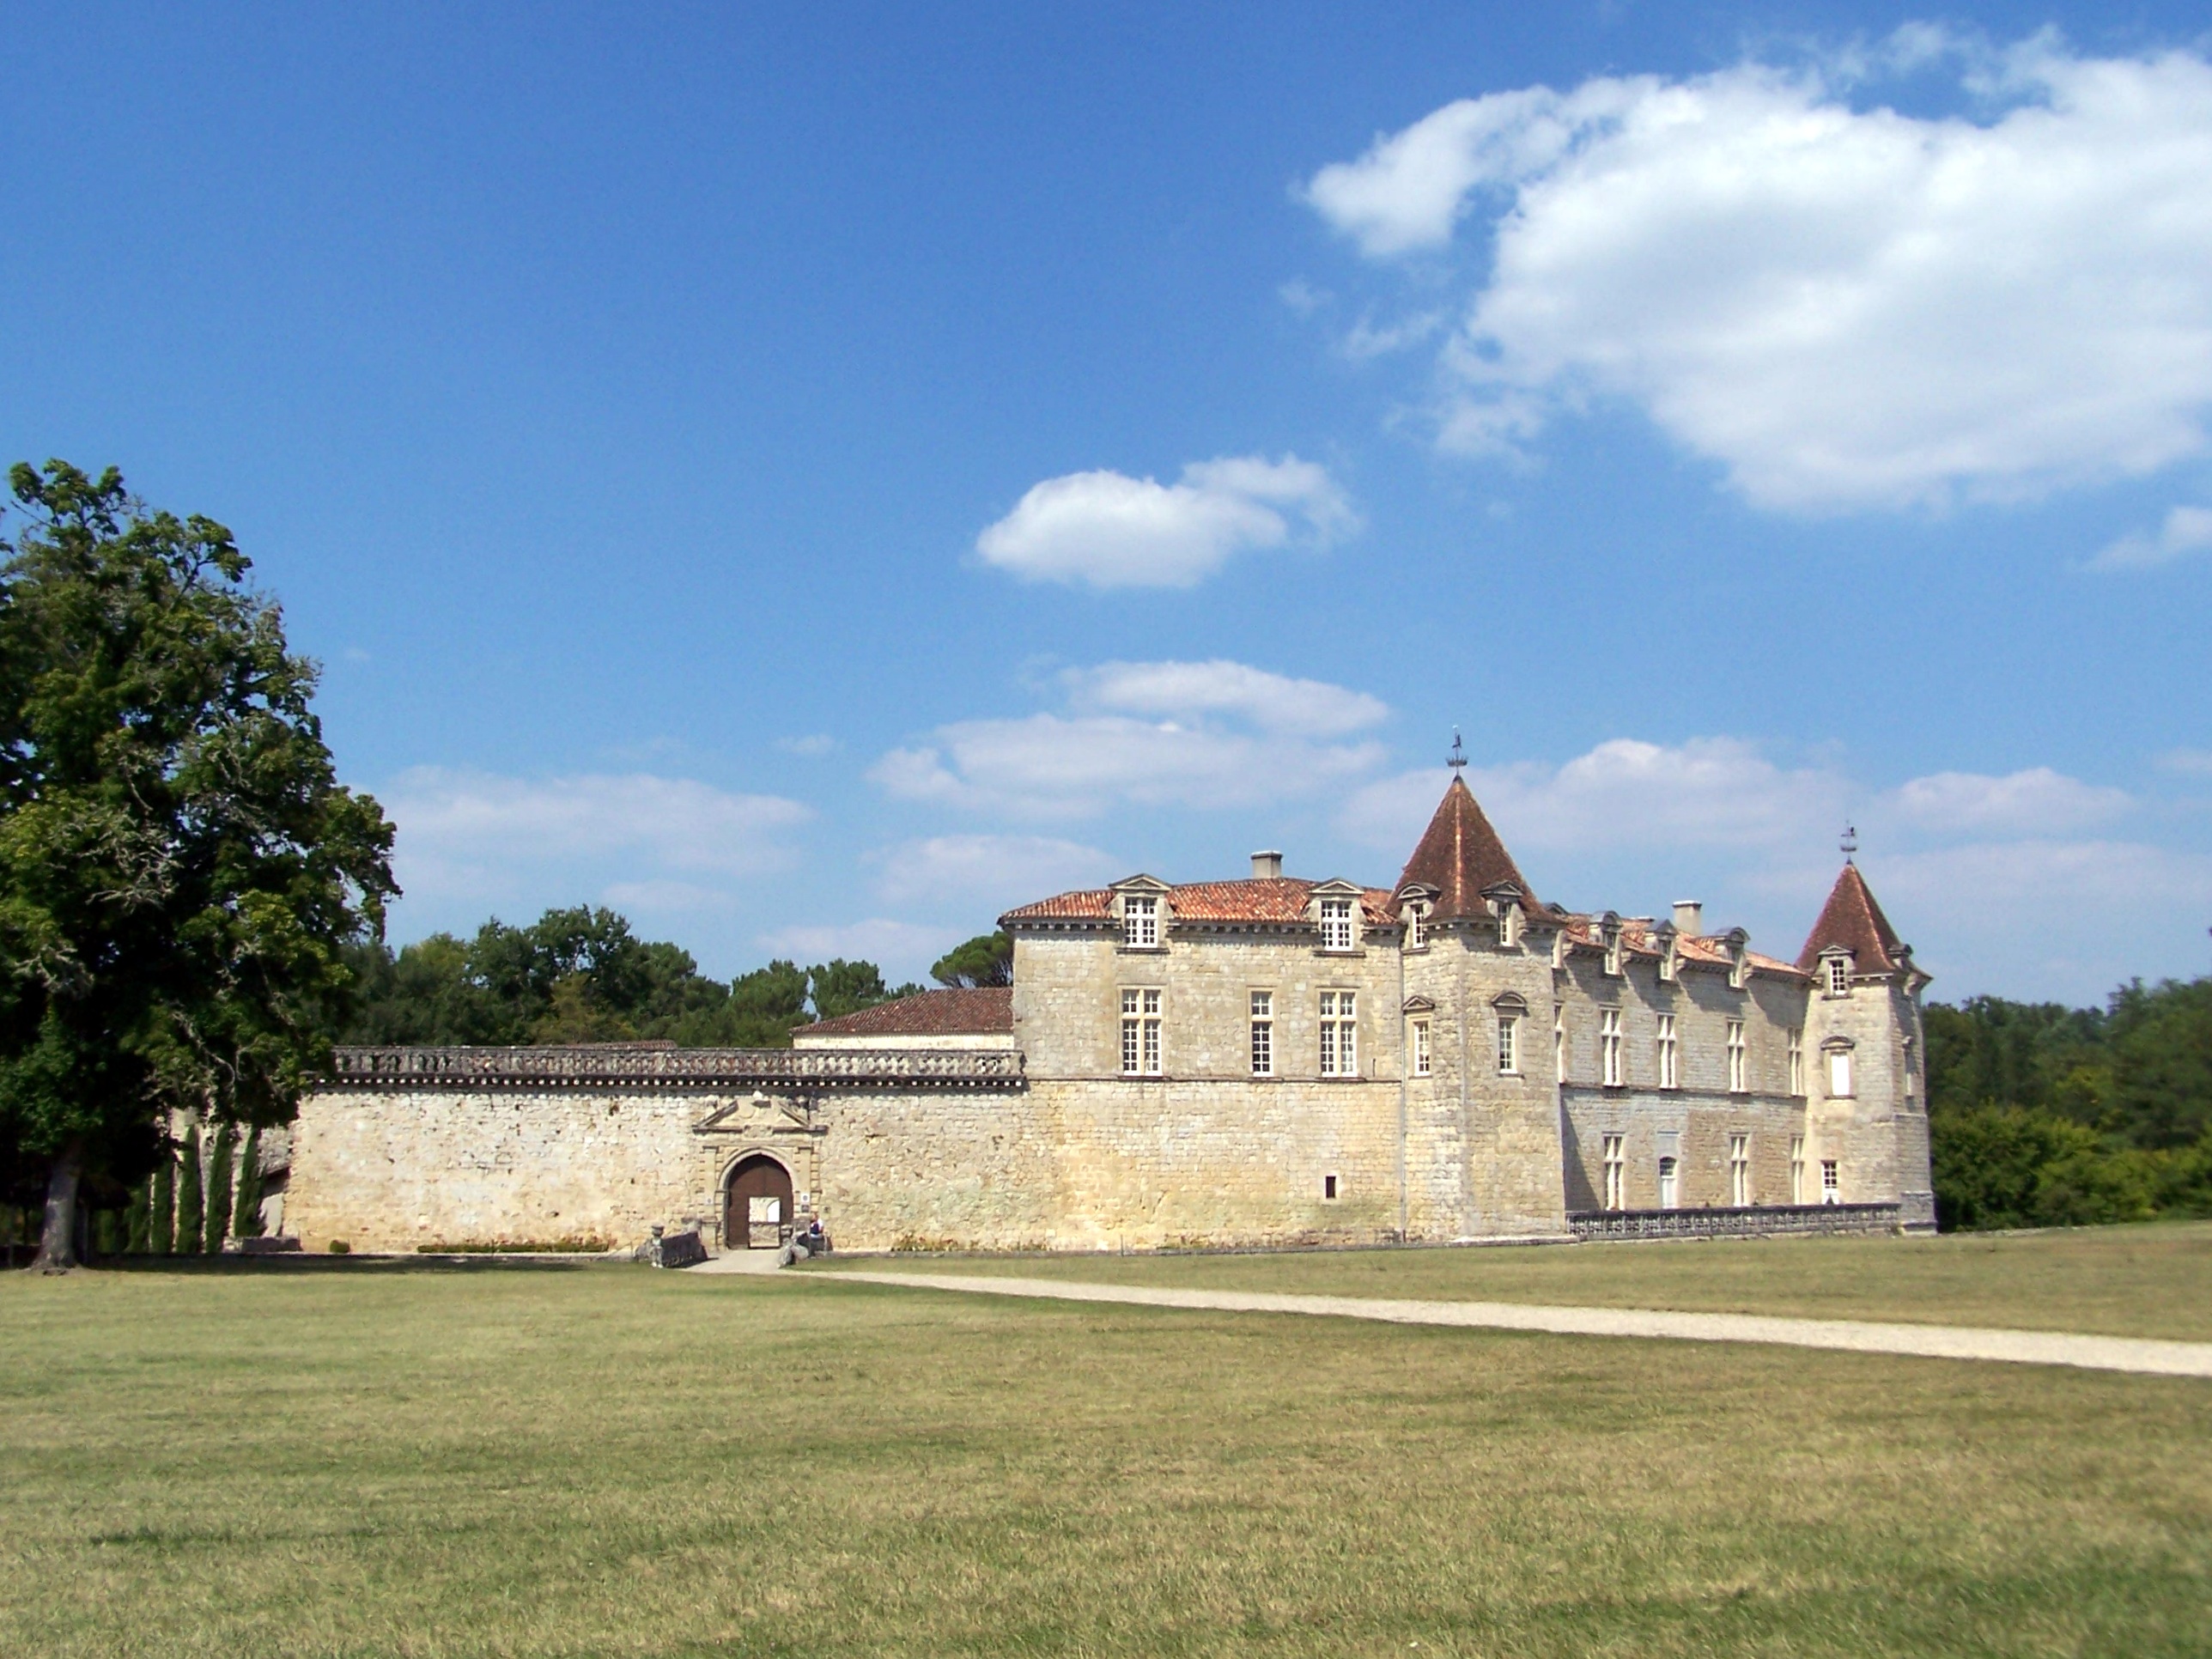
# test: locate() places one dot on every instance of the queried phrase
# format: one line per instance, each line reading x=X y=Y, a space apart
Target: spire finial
x=1851 y=842
x=1457 y=759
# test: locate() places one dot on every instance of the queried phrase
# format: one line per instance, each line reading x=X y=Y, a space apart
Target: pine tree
x=220 y=1163
x=139 y=1238
x=245 y=1218
x=162 y=1224
x=192 y=1208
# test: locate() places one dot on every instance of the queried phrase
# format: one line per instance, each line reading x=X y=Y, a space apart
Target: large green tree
x=180 y=870
x=987 y=959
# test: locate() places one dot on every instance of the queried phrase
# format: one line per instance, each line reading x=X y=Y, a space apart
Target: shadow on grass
x=230 y=1266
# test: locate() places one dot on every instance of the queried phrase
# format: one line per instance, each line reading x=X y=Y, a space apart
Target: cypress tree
x=162 y=1224
x=218 y=1186
x=191 y=1207
x=245 y=1219
x=139 y=1238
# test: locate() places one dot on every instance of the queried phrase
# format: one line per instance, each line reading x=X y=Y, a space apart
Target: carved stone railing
x=622 y=1066
x=1734 y=1223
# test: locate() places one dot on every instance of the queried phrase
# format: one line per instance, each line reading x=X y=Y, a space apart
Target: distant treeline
x=580 y=975
x=2044 y=1115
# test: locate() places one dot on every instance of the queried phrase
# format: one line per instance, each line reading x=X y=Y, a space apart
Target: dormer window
x=1839 y=975
x=1336 y=923
x=1509 y=925
x=1140 y=922
x=1417 y=927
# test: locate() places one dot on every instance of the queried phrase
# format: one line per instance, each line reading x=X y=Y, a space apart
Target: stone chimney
x=1266 y=867
x=1689 y=917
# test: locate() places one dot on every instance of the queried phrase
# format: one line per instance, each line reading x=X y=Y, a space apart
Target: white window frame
x=1616 y=1172
x=1608 y=1042
x=1422 y=1061
x=1797 y=1059
x=1142 y=1020
x=1559 y=1043
x=1336 y=933
x=1739 y=1171
x=1839 y=975
x=1831 y=1181
x=1263 y=1034
x=1670 y=1176
x=1796 y=1169
x=1140 y=922
x=1839 y=1079
x=1906 y=1080
x=1739 y=1059
x=1417 y=925
x=1669 y=1055
x=1340 y=1034
x=1509 y=1044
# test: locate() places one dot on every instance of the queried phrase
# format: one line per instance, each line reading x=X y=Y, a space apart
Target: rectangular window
x=1263 y=1034
x=1667 y=1069
x=1616 y=1167
x=1340 y=1034
x=1608 y=1042
x=1509 y=1045
x=1140 y=922
x=1839 y=1074
x=1796 y=1060
x=1509 y=925
x=1336 y=923
x=1140 y=1033
x=1798 y=1169
x=1420 y=1048
x=1668 y=1167
x=1832 y=1187
x=1839 y=977
x=1739 y=1171
x=1908 y=1068
x=1739 y=1067
x=1417 y=927
x=1559 y=1044
x=1328 y=1188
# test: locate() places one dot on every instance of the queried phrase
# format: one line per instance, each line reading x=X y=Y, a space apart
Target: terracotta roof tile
x=1278 y=899
x=1459 y=855
x=1852 y=919
x=987 y=1010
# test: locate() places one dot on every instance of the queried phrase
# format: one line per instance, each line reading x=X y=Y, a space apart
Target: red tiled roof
x=1459 y=854
x=1639 y=938
x=1279 y=899
x=1852 y=919
x=987 y=1011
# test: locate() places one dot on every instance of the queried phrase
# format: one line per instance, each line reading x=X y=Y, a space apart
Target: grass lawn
x=2149 y=1280
x=364 y=1458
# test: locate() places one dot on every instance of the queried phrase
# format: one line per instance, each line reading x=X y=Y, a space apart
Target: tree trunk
x=57 y=1236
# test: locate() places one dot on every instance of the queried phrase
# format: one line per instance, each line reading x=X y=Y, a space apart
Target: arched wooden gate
x=758 y=1213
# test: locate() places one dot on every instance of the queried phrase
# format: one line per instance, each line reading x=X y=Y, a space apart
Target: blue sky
x=814 y=480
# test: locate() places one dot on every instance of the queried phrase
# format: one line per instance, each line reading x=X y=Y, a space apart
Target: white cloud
x=1708 y=791
x=1208 y=734
x=2190 y=762
x=812 y=745
x=1109 y=529
x=2037 y=801
x=1846 y=307
x=903 y=950
x=998 y=871
x=2187 y=530
x=1274 y=702
x=479 y=835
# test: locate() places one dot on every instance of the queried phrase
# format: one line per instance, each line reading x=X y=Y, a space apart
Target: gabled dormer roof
x=1459 y=856
x=1851 y=921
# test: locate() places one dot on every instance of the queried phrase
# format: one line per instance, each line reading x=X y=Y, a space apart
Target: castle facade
x=1268 y=1060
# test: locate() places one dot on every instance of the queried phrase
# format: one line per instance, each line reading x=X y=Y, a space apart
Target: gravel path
x=2101 y=1354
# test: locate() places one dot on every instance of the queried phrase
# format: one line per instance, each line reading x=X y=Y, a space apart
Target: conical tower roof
x=1459 y=854
x=1852 y=920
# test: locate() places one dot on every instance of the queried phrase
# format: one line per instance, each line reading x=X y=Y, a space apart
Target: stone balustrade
x=626 y=1066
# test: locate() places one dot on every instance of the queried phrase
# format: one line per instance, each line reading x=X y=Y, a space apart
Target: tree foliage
x=581 y=975
x=987 y=959
x=180 y=870
x=2043 y=1115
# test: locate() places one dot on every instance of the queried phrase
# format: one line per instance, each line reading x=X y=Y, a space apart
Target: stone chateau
x=1268 y=1060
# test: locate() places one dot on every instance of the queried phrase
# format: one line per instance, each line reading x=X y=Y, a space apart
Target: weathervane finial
x=1457 y=759
x=1851 y=842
